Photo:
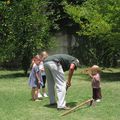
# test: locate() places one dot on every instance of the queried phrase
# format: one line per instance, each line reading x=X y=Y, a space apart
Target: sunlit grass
x=15 y=103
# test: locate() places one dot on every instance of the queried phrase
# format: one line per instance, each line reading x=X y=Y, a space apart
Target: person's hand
x=38 y=81
x=42 y=69
x=68 y=84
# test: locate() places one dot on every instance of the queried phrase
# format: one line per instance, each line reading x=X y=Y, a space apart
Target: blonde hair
x=36 y=57
x=95 y=69
x=44 y=54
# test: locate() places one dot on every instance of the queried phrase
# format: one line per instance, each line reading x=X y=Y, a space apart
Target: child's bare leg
x=36 y=94
x=33 y=93
x=39 y=94
x=44 y=92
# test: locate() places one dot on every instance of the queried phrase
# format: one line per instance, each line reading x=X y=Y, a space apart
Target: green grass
x=15 y=103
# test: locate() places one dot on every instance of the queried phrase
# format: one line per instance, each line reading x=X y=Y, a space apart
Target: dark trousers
x=44 y=81
x=97 y=93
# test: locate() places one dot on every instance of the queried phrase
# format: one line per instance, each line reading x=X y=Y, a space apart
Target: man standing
x=55 y=66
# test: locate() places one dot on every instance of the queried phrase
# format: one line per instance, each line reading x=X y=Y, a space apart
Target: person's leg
x=58 y=73
x=43 y=87
x=39 y=94
x=50 y=83
x=99 y=96
x=36 y=94
x=94 y=93
x=32 y=93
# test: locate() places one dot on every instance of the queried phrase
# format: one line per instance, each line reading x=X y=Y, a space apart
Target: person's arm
x=71 y=71
x=90 y=74
x=97 y=77
x=41 y=67
x=37 y=76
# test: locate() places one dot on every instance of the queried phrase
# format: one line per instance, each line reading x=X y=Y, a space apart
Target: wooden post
x=79 y=105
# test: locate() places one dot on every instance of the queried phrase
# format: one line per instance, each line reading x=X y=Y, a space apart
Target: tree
x=24 y=29
x=98 y=37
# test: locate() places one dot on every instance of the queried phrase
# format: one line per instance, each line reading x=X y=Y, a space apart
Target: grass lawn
x=15 y=103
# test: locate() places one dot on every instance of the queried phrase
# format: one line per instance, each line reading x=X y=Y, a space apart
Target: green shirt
x=64 y=59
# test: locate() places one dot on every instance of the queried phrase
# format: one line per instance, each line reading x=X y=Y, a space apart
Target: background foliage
x=95 y=26
x=24 y=30
x=28 y=26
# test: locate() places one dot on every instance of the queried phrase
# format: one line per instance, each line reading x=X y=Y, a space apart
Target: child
x=35 y=78
x=96 y=88
x=43 y=55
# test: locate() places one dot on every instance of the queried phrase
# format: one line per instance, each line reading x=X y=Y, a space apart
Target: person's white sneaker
x=40 y=96
x=38 y=100
x=98 y=100
x=45 y=95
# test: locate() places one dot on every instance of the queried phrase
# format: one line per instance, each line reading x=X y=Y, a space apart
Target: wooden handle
x=79 y=105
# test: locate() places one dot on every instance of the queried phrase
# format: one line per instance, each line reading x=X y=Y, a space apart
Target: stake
x=79 y=105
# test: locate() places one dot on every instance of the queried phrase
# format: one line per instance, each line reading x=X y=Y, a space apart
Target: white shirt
x=41 y=67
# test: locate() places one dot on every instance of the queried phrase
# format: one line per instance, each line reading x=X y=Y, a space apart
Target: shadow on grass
x=70 y=104
x=13 y=75
x=110 y=77
x=105 y=77
x=50 y=106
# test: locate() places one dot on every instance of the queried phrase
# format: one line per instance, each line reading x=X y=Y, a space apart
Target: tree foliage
x=26 y=27
x=24 y=30
x=95 y=26
x=98 y=38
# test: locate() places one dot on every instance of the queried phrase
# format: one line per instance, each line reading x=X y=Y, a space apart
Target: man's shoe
x=53 y=104
x=65 y=108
